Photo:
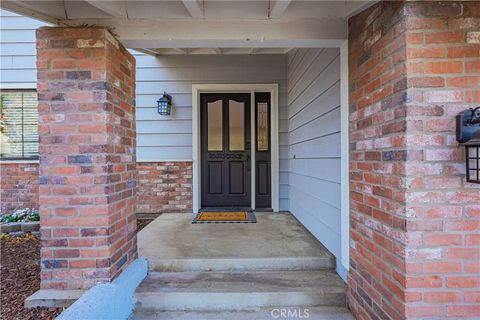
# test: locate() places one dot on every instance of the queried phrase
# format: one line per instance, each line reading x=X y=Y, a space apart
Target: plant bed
x=20 y=227
x=20 y=277
x=20 y=221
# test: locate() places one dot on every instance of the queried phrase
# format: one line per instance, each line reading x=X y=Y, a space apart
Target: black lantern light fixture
x=165 y=105
x=468 y=134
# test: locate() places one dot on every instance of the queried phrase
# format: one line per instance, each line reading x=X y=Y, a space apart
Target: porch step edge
x=314 y=313
x=237 y=300
x=239 y=290
x=242 y=264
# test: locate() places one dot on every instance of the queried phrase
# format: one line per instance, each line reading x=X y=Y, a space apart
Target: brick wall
x=18 y=186
x=86 y=93
x=414 y=220
x=164 y=187
x=161 y=187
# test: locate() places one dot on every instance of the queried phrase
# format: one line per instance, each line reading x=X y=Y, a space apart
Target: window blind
x=18 y=125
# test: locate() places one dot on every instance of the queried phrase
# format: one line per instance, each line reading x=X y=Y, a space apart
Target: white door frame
x=197 y=89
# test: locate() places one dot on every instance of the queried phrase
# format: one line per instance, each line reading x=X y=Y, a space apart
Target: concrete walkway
x=236 y=271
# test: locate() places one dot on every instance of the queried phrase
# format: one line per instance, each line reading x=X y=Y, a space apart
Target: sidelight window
x=262 y=126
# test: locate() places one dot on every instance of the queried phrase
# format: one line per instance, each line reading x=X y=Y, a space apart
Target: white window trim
x=19 y=161
x=197 y=89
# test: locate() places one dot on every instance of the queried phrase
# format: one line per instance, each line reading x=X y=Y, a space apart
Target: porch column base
x=53 y=298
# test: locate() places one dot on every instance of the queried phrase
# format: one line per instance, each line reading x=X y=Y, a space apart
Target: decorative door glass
x=262 y=126
x=215 y=125
x=236 y=122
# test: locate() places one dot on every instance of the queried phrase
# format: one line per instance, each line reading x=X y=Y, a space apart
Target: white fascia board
x=227 y=34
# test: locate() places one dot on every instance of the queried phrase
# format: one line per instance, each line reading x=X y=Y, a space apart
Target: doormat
x=225 y=217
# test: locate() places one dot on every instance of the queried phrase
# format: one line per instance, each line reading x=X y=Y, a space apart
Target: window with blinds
x=18 y=125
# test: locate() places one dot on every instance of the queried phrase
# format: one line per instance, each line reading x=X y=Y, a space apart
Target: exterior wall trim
x=344 y=158
x=19 y=161
x=164 y=160
x=18 y=86
x=250 y=88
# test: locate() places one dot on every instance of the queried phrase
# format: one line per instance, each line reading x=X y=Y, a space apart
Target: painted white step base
x=314 y=313
x=239 y=291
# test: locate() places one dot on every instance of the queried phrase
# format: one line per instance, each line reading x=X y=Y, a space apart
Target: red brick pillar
x=86 y=92
x=415 y=221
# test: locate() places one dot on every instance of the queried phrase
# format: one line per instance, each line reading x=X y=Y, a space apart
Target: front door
x=225 y=149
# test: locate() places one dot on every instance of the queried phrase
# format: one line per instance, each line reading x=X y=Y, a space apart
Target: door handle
x=248 y=163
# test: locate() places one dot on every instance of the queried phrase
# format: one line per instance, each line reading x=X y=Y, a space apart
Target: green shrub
x=21 y=215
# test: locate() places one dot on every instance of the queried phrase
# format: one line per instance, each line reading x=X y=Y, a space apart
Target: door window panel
x=215 y=125
x=262 y=126
x=236 y=115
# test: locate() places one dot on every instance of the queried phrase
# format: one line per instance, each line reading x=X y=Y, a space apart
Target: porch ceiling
x=205 y=26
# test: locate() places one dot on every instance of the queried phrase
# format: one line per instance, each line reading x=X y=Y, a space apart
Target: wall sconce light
x=468 y=134
x=165 y=104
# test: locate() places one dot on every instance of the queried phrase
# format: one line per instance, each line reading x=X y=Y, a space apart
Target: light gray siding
x=314 y=142
x=17 y=51
x=170 y=137
x=158 y=137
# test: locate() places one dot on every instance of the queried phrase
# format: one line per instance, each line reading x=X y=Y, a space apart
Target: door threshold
x=226 y=209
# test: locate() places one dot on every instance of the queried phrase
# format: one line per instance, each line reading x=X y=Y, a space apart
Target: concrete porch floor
x=172 y=243
x=237 y=271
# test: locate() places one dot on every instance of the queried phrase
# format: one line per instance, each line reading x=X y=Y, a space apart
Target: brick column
x=415 y=221
x=86 y=92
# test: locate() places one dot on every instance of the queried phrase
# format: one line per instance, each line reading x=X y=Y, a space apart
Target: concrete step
x=311 y=313
x=211 y=291
x=242 y=264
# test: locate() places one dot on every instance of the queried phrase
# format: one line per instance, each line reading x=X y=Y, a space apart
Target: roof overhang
x=205 y=26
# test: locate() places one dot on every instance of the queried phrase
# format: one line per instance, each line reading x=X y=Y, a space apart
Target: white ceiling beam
x=281 y=43
x=277 y=8
x=147 y=51
x=196 y=33
x=29 y=10
x=195 y=8
x=114 y=9
x=181 y=50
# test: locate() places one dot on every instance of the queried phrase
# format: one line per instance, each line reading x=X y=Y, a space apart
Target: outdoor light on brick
x=165 y=104
x=468 y=134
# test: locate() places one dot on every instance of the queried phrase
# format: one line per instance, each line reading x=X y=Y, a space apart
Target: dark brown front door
x=225 y=145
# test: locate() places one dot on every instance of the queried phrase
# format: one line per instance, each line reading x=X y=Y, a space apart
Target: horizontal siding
x=314 y=142
x=158 y=137
x=17 y=51
x=175 y=75
x=161 y=137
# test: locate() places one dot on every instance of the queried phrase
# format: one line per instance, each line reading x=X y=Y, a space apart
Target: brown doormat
x=225 y=217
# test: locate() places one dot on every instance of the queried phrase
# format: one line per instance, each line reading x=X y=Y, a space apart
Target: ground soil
x=20 y=276
x=142 y=223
